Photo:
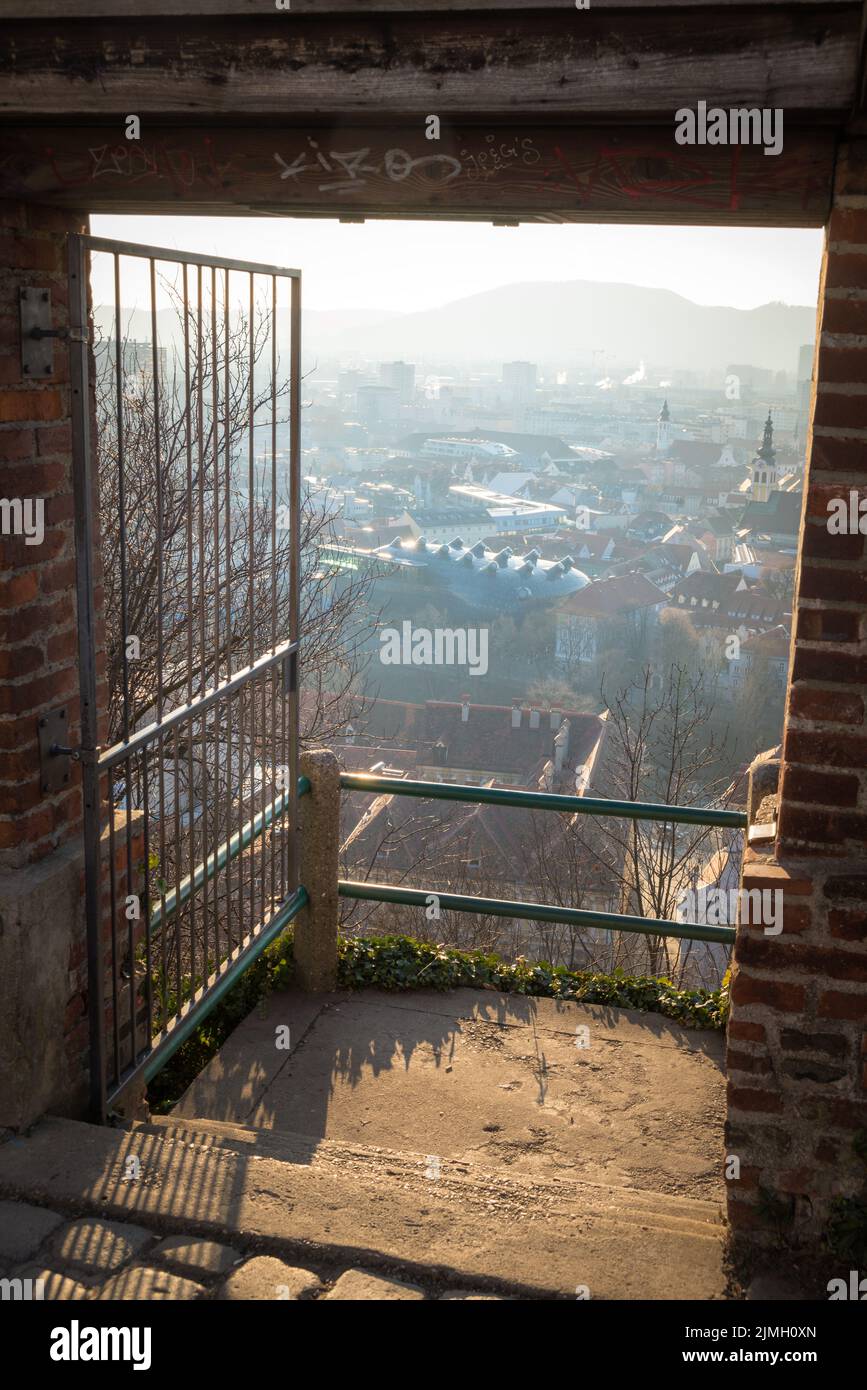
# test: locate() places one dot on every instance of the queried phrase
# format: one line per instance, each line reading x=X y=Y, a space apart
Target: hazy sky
x=405 y=266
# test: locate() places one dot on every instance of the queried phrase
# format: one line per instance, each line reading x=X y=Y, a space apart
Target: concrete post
x=319 y=829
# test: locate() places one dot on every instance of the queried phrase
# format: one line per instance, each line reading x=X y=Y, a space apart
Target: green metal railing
x=540 y=801
x=213 y=990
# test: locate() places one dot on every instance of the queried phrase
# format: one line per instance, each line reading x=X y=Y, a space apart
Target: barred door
x=187 y=492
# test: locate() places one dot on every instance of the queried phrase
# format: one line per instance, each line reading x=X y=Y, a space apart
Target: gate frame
x=95 y=760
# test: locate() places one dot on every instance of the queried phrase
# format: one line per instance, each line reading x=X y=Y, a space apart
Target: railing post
x=319 y=835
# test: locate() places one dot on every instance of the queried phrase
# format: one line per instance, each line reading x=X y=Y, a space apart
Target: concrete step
x=288 y=1195
x=490 y=1079
x=464 y=1180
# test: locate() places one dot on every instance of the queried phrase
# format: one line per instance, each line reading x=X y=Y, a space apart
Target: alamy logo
x=855 y=1289
x=23 y=516
x=847 y=516
x=740 y=126
x=21 y=1290
x=444 y=646
x=77 y=1343
x=718 y=907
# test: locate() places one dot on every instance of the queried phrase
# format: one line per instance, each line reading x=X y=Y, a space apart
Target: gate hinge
x=54 y=753
x=37 y=354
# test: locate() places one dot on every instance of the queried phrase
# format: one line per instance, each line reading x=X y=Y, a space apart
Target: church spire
x=763 y=469
x=767 y=451
x=663 y=430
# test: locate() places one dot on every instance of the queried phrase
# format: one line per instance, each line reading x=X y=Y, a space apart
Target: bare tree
x=197 y=540
x=660 y=749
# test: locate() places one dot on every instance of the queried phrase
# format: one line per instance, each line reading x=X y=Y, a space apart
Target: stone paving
x=46 y=1254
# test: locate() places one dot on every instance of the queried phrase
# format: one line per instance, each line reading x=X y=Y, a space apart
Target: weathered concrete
x=193 y=1258
x=364 y=1205
x=233 y=1081
x=319 y=840
x=99 y=1246
x=492 y=1079
x=55 y=1284
x=268 y=1278
x=140 y=1283
x=41 y=915
x=23 y=1229
x=356 y=1284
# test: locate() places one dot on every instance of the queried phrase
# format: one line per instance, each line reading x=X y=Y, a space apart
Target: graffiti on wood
x=549 y=173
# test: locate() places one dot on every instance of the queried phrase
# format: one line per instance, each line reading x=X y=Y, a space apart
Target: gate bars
x=187 y=514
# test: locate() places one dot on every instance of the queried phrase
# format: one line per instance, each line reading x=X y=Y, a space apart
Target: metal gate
x=187 y=524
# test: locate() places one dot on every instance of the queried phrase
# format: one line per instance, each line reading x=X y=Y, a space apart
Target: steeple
x=767 y=451
x=763 y=469
x=663 y=430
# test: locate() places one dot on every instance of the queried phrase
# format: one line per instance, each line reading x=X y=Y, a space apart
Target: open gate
x=187 y=524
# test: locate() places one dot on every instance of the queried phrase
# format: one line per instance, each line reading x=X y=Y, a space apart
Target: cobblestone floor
x=44 y=1254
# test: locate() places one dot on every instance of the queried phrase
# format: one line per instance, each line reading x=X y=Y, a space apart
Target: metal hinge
x=37 y=356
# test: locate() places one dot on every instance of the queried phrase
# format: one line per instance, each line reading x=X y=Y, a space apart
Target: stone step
x=289 y=1195
x=466 y=1182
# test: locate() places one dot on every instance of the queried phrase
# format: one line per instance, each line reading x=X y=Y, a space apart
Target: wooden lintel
x=482 y=171
x=581 y=65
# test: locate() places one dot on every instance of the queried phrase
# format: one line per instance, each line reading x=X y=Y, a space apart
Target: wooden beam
x=484 y=172
x=595 y=64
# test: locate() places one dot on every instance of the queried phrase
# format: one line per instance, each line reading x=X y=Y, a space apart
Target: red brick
x=62 y=647
x=748 y=1032
x=827 y=1151
x=843 y=365
x=845 y=270
x=818 y=543
x=844 y=316
x=816 y=826
x=821 y=788
x=19 y=661
x=825 y=747
x=18 y=590
x=33 y=479
x=820 y=961
x=757 y=873
x=848 y=926
x=30 y=253
x=839 y=585
x=743 y=1098
x=849 y=225
x=834 y=1003
x=828 y=625
x=746 y=1061
x=10 y=370
x=57 y=577
x=22 y=829
x=774 y=994
x=797 y=1181
x=31 y=695
x=837 y=410
x=59 y=508
x=30 y=404
x=838 y=455
x=54 y=439
x=42 y=218
x=829 y=706
x=17 y=444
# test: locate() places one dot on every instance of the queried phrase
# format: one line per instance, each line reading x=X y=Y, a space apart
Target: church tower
x=663 y=430
x=763 y=469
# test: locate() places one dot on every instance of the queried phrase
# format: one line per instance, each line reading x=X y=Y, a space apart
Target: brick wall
x=38 y=662
x=38 y=648
x=797 y=1038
